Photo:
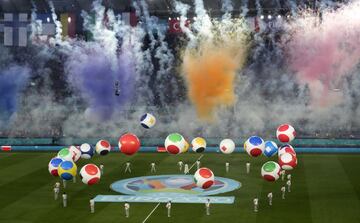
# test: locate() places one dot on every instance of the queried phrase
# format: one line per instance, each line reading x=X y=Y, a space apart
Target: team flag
x=174 y=25
x=15 y=28
x=68 y=22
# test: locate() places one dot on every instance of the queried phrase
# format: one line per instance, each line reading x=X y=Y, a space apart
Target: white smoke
x=58 y=26
x=264 y=90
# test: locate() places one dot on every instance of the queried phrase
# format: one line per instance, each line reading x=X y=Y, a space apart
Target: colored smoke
x=210 y=68
x=91 y=75
x=12 y=81
x=325 y=48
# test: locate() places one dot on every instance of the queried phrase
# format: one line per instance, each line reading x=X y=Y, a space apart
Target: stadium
x=179 y=111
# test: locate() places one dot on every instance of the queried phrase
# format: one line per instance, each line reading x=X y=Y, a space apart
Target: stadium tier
x=182 y=111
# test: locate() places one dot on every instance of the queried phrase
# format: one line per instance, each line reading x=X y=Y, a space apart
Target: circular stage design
x=172 y=185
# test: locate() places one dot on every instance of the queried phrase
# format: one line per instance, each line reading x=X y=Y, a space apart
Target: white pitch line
x=159 y=203
x=195 y=162
x=151 y=212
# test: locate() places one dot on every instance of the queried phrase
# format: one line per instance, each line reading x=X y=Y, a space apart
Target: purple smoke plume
x=93 y=74
x=12 y=82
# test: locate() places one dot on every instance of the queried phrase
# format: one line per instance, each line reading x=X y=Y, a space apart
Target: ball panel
x=175 y=137
x=55 y=162
x=173 y=149
x=64 y=152
x=105 y=143
x=269 y=166
x=104 y=152
x=66 y=165
x=254 y=140
x=85 y=147
x=207 y=184
x=66 y=176
x=255 y=152
x=93 y=180
x=54 y=172
x=283 y=128
x=86 y=156
x=91 y=169
x=286 y=158
x=206 y=173
x=143 y=117
x=200 y=150
x=283 y=138
x=269 y=177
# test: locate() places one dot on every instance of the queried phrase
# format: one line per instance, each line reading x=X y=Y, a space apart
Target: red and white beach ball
x=287 y=161
x=227 y=146
x=76 y=153
x=286 y=149
x=129 y=144
x=204 y=178
x=102 y=147
x=285 y=133
x=90 y=174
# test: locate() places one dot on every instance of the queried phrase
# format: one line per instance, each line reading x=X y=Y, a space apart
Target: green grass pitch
x=325 y=188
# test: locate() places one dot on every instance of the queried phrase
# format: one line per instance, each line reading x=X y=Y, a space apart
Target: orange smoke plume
x=210 y=76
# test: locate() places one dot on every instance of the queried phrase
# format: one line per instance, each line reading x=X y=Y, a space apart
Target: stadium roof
x=159 y=6
x=156 y=7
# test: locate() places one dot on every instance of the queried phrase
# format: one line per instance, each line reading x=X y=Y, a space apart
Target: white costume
x=64 y=196
x=127 y=209
x=282 y=173
x=288 y=183
x=153 y=169
x=101 y=169
x=127 y=167
x=180 y=164
x=198 y=164
x=247 y=168
x=92 y=206
x=256 y=204
x=168 y=207
x=270 y=196
x=289 y=176
x=186 y=169
x=56 y=192
x=207 y=207
x=283 y=190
